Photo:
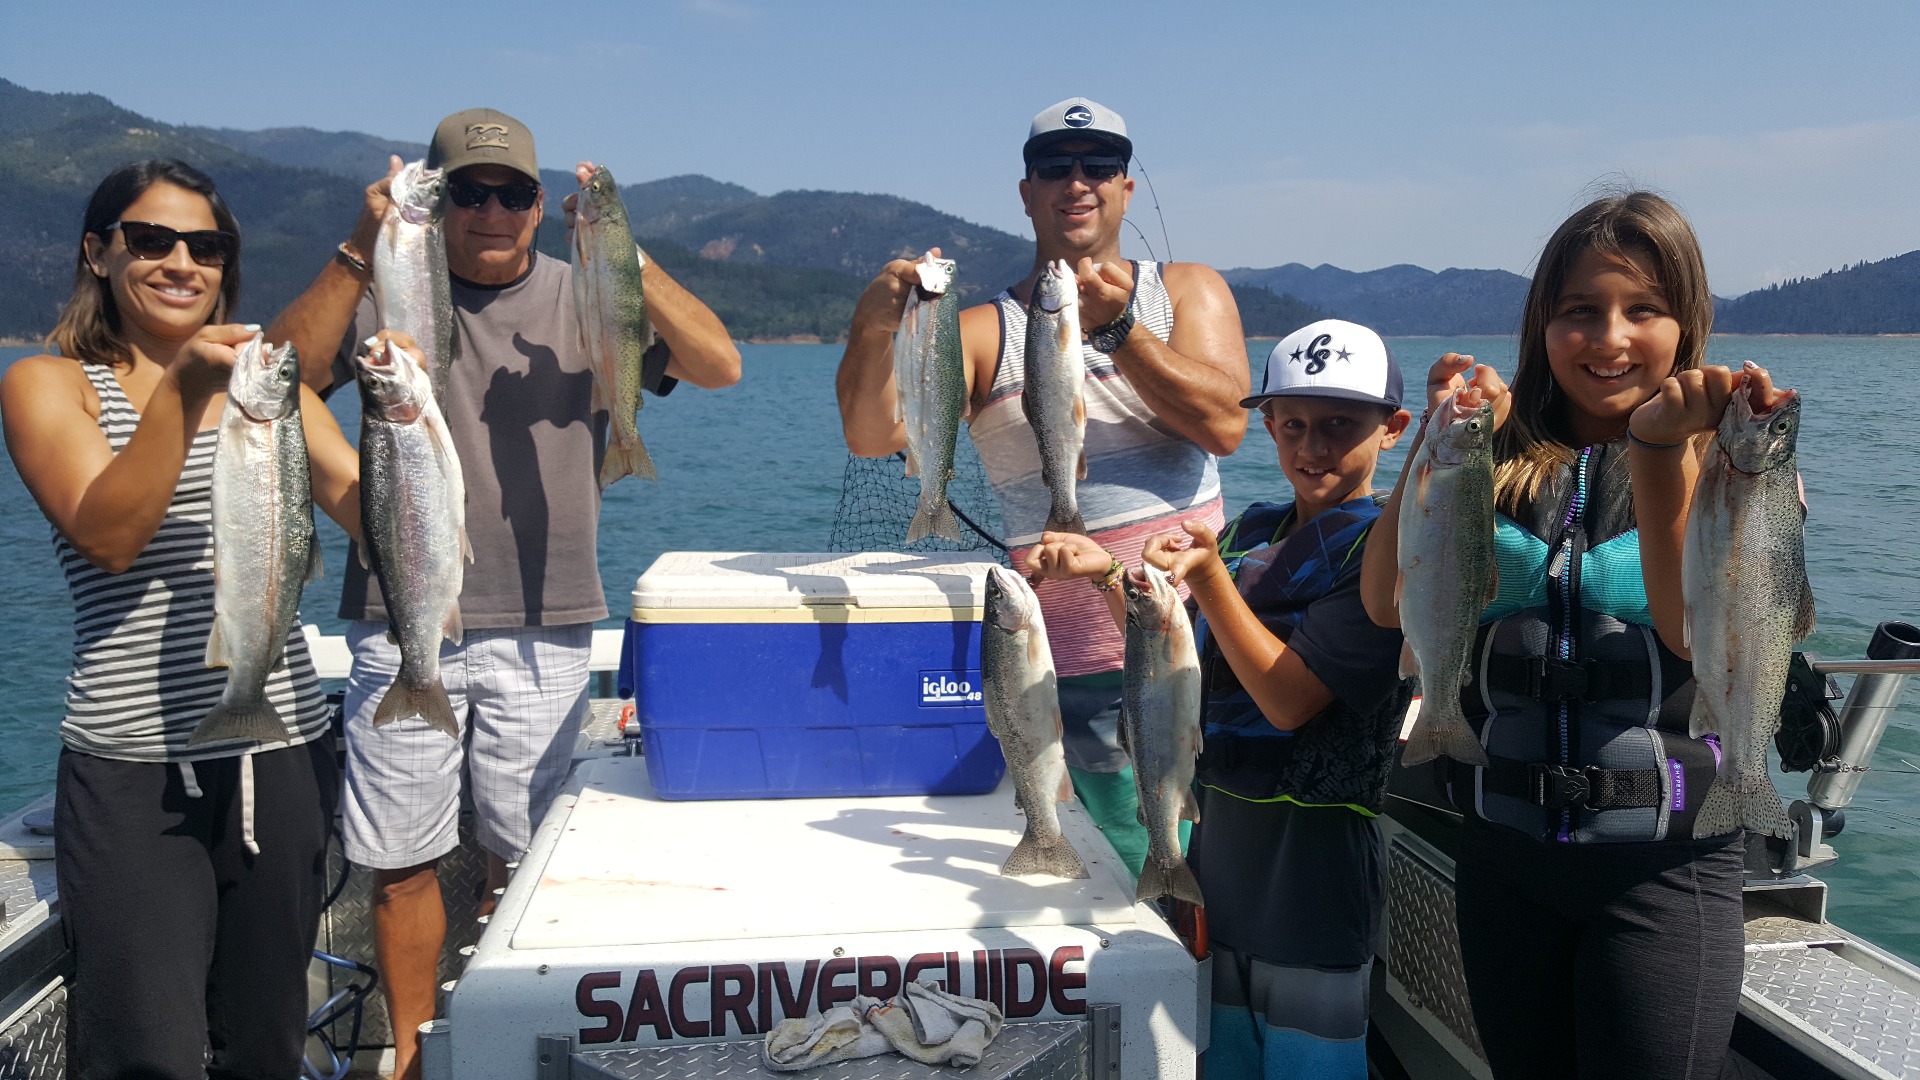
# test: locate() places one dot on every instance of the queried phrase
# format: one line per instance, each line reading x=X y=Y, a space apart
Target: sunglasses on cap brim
x=150 y=242
x=1093 y=166
x=517 y=197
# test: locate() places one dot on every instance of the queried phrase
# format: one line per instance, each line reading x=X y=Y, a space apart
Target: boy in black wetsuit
x=1303 y=706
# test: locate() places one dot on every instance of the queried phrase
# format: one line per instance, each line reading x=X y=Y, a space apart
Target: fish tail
x=1438 y=735
x=1033 y=855
x=427 y=702
x=1176 y=880
x=1066 y=519
x=626 y=460
x=1728 y=807
x=933 y=517
x=259 y=722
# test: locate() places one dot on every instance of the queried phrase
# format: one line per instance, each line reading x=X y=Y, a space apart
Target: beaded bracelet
x=1110 y=580
x=353 y=259
x=1638 y=441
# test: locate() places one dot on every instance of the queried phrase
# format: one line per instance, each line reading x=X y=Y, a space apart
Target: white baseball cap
x=1077 y=118
x=1331 y=358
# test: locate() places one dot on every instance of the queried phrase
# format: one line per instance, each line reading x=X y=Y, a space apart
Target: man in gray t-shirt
x=519 y=403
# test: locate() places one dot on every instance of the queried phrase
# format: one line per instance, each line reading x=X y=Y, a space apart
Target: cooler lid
x=710 y=580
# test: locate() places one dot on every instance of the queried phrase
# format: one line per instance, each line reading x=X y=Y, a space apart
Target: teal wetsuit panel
x=1610 y=581
x=1522 y=560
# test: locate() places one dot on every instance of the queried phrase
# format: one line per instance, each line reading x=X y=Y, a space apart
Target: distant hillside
x=1401 y=299
x=1266 y=314
x=1866 y=298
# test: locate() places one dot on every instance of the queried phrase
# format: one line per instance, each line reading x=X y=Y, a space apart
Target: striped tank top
x=1143 y=477
x=140 y=683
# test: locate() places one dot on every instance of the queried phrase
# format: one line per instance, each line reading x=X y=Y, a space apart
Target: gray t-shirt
x=520 y=406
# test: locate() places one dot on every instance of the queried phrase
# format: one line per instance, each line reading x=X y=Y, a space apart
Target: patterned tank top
x=140 y=683
x=1143 y=477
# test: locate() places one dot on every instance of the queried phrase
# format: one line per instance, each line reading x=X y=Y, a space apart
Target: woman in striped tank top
x=190 y=879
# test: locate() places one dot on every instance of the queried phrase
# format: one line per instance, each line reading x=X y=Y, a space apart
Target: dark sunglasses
x=1097 y=167
x=471 y=194
x=145 y=240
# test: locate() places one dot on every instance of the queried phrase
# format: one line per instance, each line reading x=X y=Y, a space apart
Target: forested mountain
x=1865 y=298
x=1401 y=299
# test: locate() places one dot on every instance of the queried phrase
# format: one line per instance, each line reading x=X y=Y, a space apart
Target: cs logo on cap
x=1079 y=116
x=479 y=135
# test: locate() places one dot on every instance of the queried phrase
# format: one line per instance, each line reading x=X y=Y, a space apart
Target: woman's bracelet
x=1110 y=580
x=352 y=258
x=1640 y=442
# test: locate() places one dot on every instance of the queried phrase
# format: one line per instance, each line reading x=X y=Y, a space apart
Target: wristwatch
x=1114 y=334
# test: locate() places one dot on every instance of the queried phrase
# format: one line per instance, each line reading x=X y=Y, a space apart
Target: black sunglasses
x=471 y=194
x=1097 y=167
x=145 y=240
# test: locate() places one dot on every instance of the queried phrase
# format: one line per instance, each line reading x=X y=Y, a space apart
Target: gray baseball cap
x=482 y=137
x=1077 y=118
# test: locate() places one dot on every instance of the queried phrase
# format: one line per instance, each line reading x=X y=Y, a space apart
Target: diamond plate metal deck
x=1780 y=932
x=34 y=1045
x=1423 y=949
x=1870 y=1018
x=1052 y=1051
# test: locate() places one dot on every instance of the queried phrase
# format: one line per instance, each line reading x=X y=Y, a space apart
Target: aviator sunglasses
x=1097 y=167
x=145 y=240
x=471 y=194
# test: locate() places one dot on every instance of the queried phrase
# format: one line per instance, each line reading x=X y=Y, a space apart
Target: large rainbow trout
x=1160 y=715
x=1447 y=572
x=1023 y=712
x=411 y=290
x=612 y=311
x=263 y=549
x=1056 y=374
x=930 y=385
x=1744 y=576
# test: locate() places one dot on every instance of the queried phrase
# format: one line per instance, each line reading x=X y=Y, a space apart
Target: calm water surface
x=760 y=467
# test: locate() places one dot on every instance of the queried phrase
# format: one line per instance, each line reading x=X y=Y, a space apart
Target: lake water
x=760 y=466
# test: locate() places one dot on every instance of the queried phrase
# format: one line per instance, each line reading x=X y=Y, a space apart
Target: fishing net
x=877 y=499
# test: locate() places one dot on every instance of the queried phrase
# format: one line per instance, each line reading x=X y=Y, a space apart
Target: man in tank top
x=519 y=406
x=1166 y=367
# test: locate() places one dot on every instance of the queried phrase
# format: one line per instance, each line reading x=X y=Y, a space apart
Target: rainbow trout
x=1023 y=712
x=612 y=311
x=263 y=549
x=1447 y=573
x=411 y=290
x=1160 y=715
x=1744 y=576
x=930 y=384
x=413 y=513
x=1056 y=372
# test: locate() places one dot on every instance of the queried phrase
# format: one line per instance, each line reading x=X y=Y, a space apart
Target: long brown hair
x=1536 y=439
x=89 y=326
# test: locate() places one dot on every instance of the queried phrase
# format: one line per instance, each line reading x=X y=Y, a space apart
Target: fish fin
x=216 y=647
x=429 y=703
x=1421 y=474
x=1409 y=663
x=626 y=461
x=1189 y=806
x=1071 y=523
x=1727 y=808
x=1080 y=467
x=934 y=520
x=1065 y=794
x=1120 y=736
x=1700 y=721
x=360 y=550
x=466 y=546
x=913 y=463
x=1176 y=880
x=1435 y=736
x=260 y=723
x=1399 y=588
x=1080 y=421
x=1033 y=855
x=454 y=630
x=1803 y=618
x=1493 y=583
x=316 y=566
x=1686 y=625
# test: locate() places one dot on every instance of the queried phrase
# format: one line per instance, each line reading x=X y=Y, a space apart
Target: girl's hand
x=1063 y=556
x=1456 y=371
x=1692 y=402
x=1192 y=557
x=204 y=366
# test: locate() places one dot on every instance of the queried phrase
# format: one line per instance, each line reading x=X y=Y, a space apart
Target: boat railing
x=333 y=660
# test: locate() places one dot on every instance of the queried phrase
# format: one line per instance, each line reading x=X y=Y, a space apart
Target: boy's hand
x=1063 y=556
x=1692 y=402
x=1456 y=371
x=1191 y=558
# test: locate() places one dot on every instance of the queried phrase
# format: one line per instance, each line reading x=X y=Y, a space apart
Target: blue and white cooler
x=758 y=675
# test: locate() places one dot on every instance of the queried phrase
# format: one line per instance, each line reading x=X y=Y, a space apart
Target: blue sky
x=1360 y=134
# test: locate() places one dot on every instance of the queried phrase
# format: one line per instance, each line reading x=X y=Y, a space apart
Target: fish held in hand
x=930 y=383
x=263 y=549
x=1447 y=571
x=1023 y=712
x=1160 y=714
x=1744 y=578
x=1053 y=399
x=611 y=308
x=413 y=519
x=412 y=292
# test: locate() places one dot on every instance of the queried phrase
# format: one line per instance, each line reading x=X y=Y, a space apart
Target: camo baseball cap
x=1077 y=118
x=482 y=137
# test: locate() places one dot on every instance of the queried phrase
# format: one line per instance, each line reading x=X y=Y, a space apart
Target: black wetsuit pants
x=1601 y=960
x=182 y=941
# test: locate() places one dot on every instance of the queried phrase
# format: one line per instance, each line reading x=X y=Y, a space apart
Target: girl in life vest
x=1601 y=934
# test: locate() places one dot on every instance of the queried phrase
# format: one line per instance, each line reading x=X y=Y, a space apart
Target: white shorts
x=520 y=695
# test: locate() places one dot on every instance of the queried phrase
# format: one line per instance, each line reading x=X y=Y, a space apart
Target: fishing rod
x=1164 y=238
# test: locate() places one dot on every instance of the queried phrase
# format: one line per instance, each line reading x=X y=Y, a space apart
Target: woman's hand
x=1063 y=556
x=1692 y=402
x=202 y=368
x=1456 y=371
x=1191 y=557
